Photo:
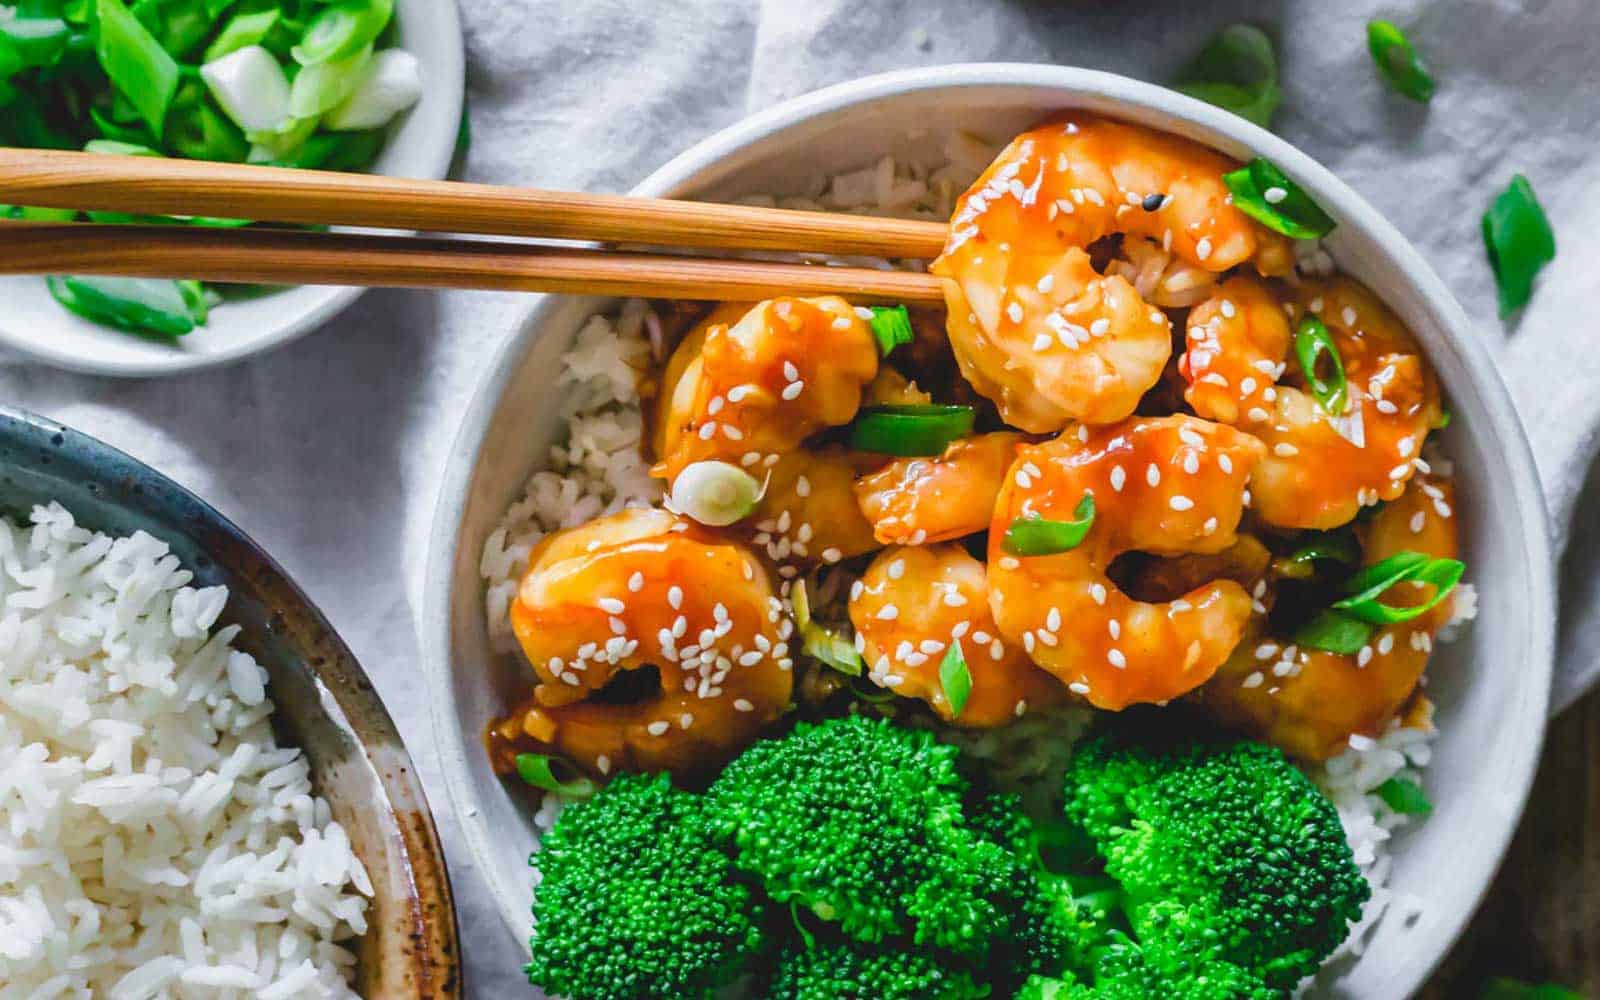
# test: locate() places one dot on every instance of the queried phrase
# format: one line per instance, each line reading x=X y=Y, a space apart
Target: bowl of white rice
x=200 y=792
x=553 y=439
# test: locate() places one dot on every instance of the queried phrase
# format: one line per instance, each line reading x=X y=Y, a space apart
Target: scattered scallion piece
x=1333 y=632
x=138 y=66
x=539 y=770
x=138 y=305
x=891 y=325
x=1313 y=343
x=715 y=493
x=1398 y=62
x=831 y=649
x=1237 y=71
x=1520 y=242
x=910 y=430
x=1405 y=797
x=1266 y=194
x=955 y=679
x=1036 y=536
x=1368 y=587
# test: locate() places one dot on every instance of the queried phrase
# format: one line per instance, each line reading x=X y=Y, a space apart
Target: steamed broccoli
x=637 y=901
x=1235 y=867
x=846 y=969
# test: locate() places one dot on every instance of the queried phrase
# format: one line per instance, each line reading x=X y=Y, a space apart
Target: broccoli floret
x=846 y=969
x=861 y=822
x=1228 y=854
x=638 y=901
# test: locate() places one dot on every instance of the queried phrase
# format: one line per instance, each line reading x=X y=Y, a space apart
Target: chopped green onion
x=1334 y=632
x=1266 y=194
x=1405 y=797
x=891 y=325
x=390 y=83
x=1398 y=62
x=910 y=430
x=31 y=41
x=955 y=679
x=832 y=649
x=1031 y=535
x=800 y=601
x=1237 y=71
x=323 y=86
x=1367 y=587
x=1443 y=419
x=116 y=148
x=138 y=66
x=715 y=493
x=139 y=305
x=243 y=30
x=1520 y=242
x=250 y=87
x=1312 y=343
x=538 y=770
x=1329 y=547
x=342 y=29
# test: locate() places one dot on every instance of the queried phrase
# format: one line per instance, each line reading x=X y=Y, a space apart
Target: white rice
x=155 y=841
x=601 y=471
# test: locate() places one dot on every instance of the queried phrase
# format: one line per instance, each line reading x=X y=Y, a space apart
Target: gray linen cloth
x=327 y=451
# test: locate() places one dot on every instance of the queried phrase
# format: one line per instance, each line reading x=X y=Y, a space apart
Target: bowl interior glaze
x=1491 y=687
x=325 y=703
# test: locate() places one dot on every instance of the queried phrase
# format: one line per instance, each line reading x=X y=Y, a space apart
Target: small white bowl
x=420 y=144
x=1491 y=686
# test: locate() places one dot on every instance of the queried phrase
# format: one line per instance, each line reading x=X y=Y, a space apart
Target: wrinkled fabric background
x=327 y=451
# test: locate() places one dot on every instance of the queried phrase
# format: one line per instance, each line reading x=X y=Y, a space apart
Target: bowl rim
x=437 y=146
x=1071 y=83
x=431 y=946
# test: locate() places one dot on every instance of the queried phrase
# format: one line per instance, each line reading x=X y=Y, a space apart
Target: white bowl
x=1491 y=686
x=420 y=144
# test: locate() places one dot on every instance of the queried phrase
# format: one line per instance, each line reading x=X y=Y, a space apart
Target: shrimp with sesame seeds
x=1321 y=468
x=1034 y=326
x=1165 y=486
x=808 y=513
x=643 y=589
x=1310 y=702
x=787 y=368
x=911 y=604
x=912 y=501
x=1234 y=351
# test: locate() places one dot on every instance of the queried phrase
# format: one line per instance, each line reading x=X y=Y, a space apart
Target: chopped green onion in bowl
x=1313 y=343
x=1236 y=71
x=1037 y=536
x=300 y=83
x=1520 y=242
x=1368 y=587
x=1266 y=194
x=715 y=493
x=1398 y=61
x=539 y=770
x=955 y=679
x=1334 y=632
x=1405 y=797
x=891 y=327
x=910 y=430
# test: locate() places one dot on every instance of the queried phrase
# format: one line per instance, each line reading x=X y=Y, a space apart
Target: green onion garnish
x=1266 y=194
x=1398 y=61
x=539 y=770
x=1367 y=587
x=1334 y=632
x=955 y=678
x=910 y=430
x=1237 y=71
x=1328 y=547
x=1032 y=535
x=1442 y=420
x=1520 y=242
x=891 y=325
x=140 y=305
x=1405 y=796
x=1312 y=343
x=139 y=68
x=831 y=649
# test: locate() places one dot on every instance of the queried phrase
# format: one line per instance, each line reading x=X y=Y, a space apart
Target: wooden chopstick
x=147 y=185
x=269 y=256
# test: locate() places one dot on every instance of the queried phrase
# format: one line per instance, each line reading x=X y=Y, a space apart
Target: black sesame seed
x=1153 y=202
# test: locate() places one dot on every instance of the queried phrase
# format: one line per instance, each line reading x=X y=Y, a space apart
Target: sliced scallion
x=891 y=325
x=1313 y=343
x=1367 y=588
x=1327 y=548
x=831 y=649
x=955 y=679
x=715 y=493
x=1031 y=535
x=1398 y=62
x=1266 y=194
x=1520 y=242
x=1333 y=632
x=910 y=430
x=1405 y=797
x=539 y=770
x=139 y=68
x=139 y=305
x=342 y=29
x=1237 y=71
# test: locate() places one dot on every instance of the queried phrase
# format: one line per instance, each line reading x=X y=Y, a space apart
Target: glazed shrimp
x=1310 y=702
x=758 y=387
x=1234 y=353
x=644 y=588
x=1321 y=470
x=1034 y=327
x=1166 y=486
x=911 y=604
x=913 y=501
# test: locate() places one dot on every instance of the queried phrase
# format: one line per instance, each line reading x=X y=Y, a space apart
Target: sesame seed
x=1152 y=475
x=1386 y=644
x=1014 y=312
x=1364 y=656
x=1384 y=406
x=657 y=728
x=1116 y=659
x=750 y=458
x=790 y=372
x=1046 y=283
x=742 y=705
x=1118 y=477
x=1315 y=304
x=1273 y=195
x=1027 y=641
x=1247 y=385
x=1180 y=502
x=1225 y=464
x=896 y=569
x=802 y=487
x=856 y=590
x=1191 y=463
x=1078 y=687
x=1228 y=309
x=1202 y=250
x=1266 y=651
x=675 y=596
x=1348 y=315
x=1100 y=327
x=1052 y=621
x=739 y=392
x=954 y=599
x=1115 y=628
x=1284 y=449
x=1210 y=526
x=831 y=555
x=1258 y=415
x=997 y=649
x=603 y=764
x=707 y=430
x=1441 y=508
x=1023 y=479
x=1254 y=680
x=1098 y=592
x=931 y=646
x=793 y=390
x=888 y=613
x=1042 y=342
x=618 y=626
x=636 y=582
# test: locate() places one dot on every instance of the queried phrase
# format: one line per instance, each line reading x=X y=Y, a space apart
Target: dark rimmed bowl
x=326 y=705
